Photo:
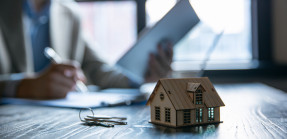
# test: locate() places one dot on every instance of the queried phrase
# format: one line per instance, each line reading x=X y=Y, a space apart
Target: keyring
x=81 y=111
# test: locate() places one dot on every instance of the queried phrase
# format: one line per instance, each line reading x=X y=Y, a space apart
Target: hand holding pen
x=55 y=82
x=80 y=86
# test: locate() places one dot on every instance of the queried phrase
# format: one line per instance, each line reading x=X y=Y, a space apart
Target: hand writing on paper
x=159 y=65
x=56 y=82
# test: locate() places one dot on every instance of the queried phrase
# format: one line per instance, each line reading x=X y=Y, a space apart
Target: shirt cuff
x=133 y=84
x=132 y=81
x=10 y=88
x=10 y=84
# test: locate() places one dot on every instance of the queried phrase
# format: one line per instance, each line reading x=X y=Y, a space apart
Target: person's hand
x=56 y=82
x=159 y=65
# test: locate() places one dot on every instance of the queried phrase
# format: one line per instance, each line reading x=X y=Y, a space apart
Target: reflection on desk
x=251 y=111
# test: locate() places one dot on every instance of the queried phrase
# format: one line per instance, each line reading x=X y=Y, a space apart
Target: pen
x=51 y=54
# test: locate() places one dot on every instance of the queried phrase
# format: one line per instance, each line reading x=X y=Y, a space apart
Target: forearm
x=105 y=76
x=101 y=74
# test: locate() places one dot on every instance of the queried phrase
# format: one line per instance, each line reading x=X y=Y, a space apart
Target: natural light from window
x=110 y=26
x=230 y=17
x=113 y=26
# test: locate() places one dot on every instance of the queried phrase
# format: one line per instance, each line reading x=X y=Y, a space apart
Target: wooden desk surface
x=251 y=111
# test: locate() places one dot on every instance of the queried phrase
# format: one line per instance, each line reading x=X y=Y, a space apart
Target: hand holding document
x=172 y=27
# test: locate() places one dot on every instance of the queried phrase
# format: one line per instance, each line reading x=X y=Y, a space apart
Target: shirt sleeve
x=134 y=84
x=9 y=84
x=10 y=88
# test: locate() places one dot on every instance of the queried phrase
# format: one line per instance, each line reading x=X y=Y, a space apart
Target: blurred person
x=28 y=26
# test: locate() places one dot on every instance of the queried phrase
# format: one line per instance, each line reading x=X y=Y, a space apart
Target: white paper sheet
x=78 y=100
x=172 y=27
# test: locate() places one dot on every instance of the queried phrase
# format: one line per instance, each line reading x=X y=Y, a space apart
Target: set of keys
x=106 y=121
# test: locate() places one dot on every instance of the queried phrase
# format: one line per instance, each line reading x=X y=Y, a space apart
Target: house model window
x=198 y=115
x=186 y=117
x=161 y=96
x=157 y=113
x=210 y=114
x=187 y=101
x=198 y=96
x=167 y=115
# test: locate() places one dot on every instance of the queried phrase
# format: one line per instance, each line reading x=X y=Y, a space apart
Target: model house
x=185 y=102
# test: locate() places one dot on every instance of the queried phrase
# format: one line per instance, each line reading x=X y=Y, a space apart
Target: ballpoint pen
x=51 y=54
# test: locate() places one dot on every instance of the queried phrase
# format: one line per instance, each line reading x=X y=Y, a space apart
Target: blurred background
x=253 y=46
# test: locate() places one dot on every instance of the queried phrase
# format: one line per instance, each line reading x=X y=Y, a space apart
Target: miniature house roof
x=176 y=89
x=192 y=87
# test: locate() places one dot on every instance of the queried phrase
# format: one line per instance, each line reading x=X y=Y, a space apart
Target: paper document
x=93 y=100
x=172 y=27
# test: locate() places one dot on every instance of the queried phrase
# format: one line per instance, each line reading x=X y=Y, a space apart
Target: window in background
x=232 y=17
x=111 y=25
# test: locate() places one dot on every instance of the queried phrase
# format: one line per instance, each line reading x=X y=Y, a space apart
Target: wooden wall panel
x=162 y=103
